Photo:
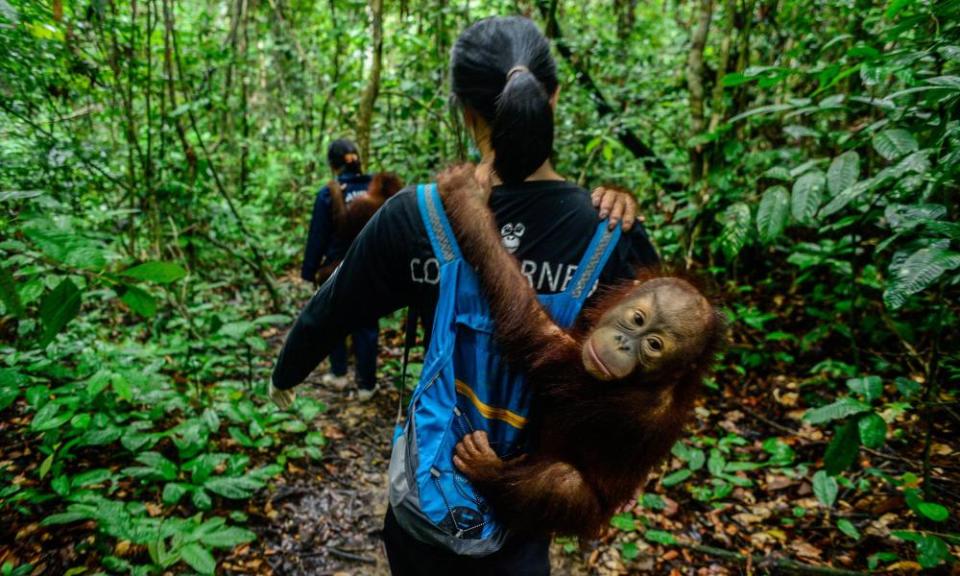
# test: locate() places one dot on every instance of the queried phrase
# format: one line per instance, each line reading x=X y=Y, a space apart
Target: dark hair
x=502 y=69
x=343 y=153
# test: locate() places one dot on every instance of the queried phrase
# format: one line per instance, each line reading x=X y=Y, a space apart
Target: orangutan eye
x=638 y=318
x=655 y=344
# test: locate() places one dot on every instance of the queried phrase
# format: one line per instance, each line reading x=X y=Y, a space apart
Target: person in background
x=323 y=254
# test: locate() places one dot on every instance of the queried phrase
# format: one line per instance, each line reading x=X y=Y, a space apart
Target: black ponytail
x=502 y=69
x=522 y=135
x=343 y=154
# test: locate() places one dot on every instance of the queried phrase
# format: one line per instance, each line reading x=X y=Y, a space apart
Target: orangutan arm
x=523 y=328
x=531 y=494
x=338 y=207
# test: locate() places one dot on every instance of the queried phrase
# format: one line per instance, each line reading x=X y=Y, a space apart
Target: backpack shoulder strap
x=601 y=247
x=409 y=341
x=438 y=227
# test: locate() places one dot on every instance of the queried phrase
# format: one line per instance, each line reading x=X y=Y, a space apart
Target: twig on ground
x=769 y=422
x=783 y=564
x=351 y=556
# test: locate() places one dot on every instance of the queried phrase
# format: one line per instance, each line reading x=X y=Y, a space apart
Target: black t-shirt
x=547 y=225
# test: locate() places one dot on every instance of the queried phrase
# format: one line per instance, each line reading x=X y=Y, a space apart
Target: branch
x=652 y=163
x=258 y=261
x=49 y=134
x=785 y=564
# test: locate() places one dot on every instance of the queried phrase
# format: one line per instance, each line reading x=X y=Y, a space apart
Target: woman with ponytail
x=504 y=80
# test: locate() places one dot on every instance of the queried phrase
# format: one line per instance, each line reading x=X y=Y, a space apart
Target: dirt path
x=327 y=519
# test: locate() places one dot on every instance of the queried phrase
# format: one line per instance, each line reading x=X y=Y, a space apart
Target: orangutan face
x=655 y=327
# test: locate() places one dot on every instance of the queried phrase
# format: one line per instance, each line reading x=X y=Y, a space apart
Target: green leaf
x=848 y=195
x=781 y=454
x=873 y=431
x=807 y=196
x=629 y=551
x=659 y=537
x=697 y=459
x=894 y=143
x=843 y=449
x=842 y=408
x=122 y=387
x=870 y=387
x=907 y=387
x=843 y=172
x=236 y=488
x=625 y=522
x=50 y=417
x=772 y=213
x=825 y=488
x=201 y=499
x=165 y=468
x=140 y=301
x=173 y=492
x=199 y=558
x=716 y=463
x=58 y=308
x=65 y=518
x=652 y=502
x=903 y=217
x=45 y=465
x=91 y=477
x=778 y=173
x=8 y=293
x=917 y=272
x=676 y=477
x=932 y=551
x=874 y=560
x=159 y=272
x=61 y=485
x=101 y=436
x=895 y=7
x=933 y=511
x=228 y=537
x=8 y=396
x=848 y=528
x=736 y=226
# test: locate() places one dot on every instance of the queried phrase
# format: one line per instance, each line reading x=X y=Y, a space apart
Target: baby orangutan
x=612 y=396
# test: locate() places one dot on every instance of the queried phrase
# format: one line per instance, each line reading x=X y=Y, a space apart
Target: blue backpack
x=465 y=386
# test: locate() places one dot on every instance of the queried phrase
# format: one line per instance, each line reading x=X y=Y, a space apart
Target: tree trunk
x=716 y=106
x=653 y=164
x=626 y=11
x=370 y=92
x=698 y=41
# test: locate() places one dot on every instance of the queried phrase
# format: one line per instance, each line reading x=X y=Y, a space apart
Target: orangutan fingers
x=461 y=451
x=607 y=201
x=470 y=445
x=630 y=216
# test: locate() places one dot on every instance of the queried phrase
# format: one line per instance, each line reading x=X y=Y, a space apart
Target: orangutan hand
x=617 y=203
x=476 y=459
x=465 y=181
x=282 y=398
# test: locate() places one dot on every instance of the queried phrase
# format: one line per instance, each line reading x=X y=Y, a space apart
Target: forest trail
x=326 y=518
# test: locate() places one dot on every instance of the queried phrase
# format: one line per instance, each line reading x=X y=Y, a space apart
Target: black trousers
x=365 y=349
x=411 y=557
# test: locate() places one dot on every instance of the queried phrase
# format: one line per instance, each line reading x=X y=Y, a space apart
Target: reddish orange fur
x=356 y=214
x=349 y=219
x=594 y=442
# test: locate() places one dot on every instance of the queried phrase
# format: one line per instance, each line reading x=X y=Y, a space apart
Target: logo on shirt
x=510 y=236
